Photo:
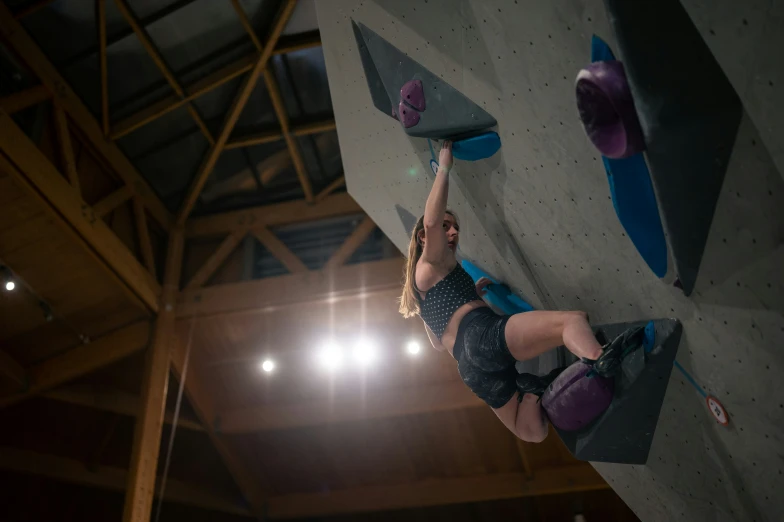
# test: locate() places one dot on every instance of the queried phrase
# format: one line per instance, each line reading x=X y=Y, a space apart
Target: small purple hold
x=407 y=116
x=413 y=94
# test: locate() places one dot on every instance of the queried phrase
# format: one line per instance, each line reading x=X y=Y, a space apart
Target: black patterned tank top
x=446 y=296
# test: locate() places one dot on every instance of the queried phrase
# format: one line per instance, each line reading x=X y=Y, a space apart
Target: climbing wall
x=538 y=215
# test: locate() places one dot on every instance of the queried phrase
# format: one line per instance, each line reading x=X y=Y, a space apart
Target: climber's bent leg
x=530 y=334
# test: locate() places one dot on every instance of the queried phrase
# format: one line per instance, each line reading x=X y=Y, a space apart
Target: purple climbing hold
x=606 y=107
x=408 y=116
x=413 y=94
x=573 y=401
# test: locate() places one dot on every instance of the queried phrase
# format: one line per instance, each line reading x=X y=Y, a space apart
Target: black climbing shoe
x=535 y=384
x=609 y=361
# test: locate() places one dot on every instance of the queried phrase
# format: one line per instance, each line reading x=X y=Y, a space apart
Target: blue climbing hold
x=477 y=147
x=649 y=337
x=498 y=295
x=632 y=194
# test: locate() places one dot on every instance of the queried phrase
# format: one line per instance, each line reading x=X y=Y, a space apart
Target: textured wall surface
x=538 y=215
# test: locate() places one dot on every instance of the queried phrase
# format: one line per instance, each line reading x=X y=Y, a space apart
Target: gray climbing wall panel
x=538 y=215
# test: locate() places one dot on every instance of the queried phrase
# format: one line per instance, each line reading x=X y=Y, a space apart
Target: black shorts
x=483 y=359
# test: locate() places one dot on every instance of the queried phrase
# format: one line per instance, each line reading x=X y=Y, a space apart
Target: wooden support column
x=104 y=68
x=147 y=434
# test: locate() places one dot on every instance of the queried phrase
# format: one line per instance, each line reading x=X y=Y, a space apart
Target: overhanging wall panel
x=544 y=198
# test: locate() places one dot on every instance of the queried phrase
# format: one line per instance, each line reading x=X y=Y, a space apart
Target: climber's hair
x=409 y=304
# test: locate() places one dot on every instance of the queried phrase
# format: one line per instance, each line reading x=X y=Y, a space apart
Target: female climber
x=485 y=344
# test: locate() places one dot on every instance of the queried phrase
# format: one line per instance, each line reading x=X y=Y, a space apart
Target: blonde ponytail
x=409 y=304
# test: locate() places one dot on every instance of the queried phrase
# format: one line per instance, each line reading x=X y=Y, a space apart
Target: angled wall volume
x=690 y=116
x=446 y=113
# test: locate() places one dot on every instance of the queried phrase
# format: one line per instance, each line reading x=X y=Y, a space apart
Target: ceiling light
x=268 y=365
x=10 y=285
x=413 y=348
x=331 y=356
x=364 y=352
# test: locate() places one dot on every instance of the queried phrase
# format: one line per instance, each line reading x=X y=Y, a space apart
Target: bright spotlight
x=331 y=356
x=364 y=352
x=268 y=365
x=413 y=347
x=10 y=285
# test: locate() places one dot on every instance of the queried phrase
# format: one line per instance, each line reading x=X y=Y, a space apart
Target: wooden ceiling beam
x=278 y=249
x=111 y=479
x=377 y=404
x=112 y=201
x=304 y=129
x=67 y=157
x=21 y=100
x=357 y=281
x=155 y=383
x=234 y=112
x=103 y=66
x=82 y=360
x=291 y=143
x=572 y=478
x=351 y=244
x=166 y=105
x=143 y=235
x=34 y=7
x=141 y=34
x=278 y=214
x=17 y=38
x=13 y=372
x=113 y=401
x=437 y=492
x=208 y=83
x=212 y=263
x=200 y=399
x=329 y=189
x=22 y=159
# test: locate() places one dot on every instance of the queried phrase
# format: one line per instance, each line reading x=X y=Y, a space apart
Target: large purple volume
x=607 y=110
x=573 y=401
